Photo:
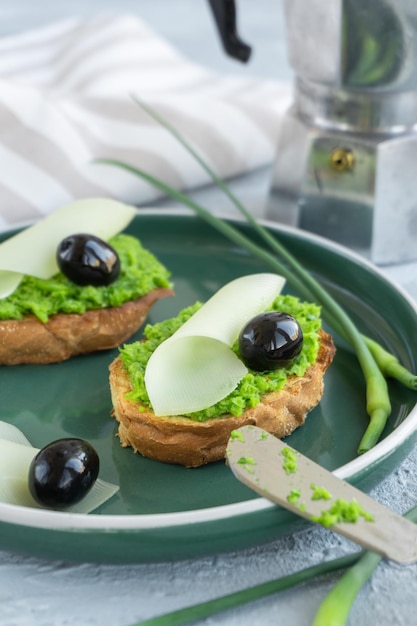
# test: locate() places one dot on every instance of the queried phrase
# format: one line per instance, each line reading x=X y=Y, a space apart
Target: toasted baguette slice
x=67 y=334
x=186 y=442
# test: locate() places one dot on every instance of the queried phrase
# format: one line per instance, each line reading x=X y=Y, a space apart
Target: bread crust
x=68 y=334
x=182 y=441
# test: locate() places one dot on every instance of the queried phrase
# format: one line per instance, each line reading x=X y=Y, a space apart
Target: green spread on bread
x=253 y=385
x=140 y=273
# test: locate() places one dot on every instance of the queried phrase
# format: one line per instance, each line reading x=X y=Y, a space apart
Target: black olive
x=88 y=260
x=270 y=341
x=63 y=472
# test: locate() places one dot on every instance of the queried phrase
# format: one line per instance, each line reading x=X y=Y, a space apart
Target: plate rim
x=66 y=521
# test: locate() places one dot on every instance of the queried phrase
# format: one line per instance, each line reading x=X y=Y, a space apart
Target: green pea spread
x=253 y=385
x=342 y=511
x=140 y=273
x=290 y=465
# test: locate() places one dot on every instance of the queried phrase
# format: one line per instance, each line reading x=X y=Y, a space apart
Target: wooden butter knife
x=281 y=474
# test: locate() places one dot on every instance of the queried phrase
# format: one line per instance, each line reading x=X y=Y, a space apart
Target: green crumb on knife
x=320 y=493
x=236 y=434
x=247 y=462
x=342 y=511
x=290 y=465
x=294 y=496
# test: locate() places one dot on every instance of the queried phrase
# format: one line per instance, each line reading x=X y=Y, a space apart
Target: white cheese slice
x=33 y=250
x=196 y=367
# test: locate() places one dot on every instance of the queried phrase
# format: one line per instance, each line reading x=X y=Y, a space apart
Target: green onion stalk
x=335 y=608
x=375 y=362
x=244 y=596
x=333 y=611
x=387 y=362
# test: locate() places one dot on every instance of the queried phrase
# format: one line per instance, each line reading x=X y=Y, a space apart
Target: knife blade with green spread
x=281 y=474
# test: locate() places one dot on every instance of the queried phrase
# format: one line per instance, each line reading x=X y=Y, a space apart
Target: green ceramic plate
x=165 y=512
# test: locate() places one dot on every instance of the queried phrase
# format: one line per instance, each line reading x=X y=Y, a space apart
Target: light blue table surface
x=48 y=593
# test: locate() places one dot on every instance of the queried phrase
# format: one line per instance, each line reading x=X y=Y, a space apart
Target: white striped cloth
x=66 y=100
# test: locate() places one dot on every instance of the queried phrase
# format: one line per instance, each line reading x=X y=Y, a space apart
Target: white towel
x=66 y=101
